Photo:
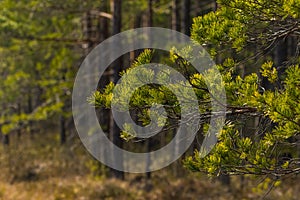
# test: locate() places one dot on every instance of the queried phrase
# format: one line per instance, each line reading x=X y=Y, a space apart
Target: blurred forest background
x=255 y=44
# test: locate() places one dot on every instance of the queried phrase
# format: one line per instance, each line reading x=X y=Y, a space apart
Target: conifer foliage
x=245 y=37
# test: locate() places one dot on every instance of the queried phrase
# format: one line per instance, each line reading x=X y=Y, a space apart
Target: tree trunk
x=20 y=123
x=186 y=19
x=176 y=27
x=6 y=140
x=150 y=13
x=63 y=136
x=175 y=15
x=30 y=109
x=225 y=179
x=215 y=6
x=136 y=24
x=281 y=55
x=148 y=141
x=116 y=6
x=104 y=114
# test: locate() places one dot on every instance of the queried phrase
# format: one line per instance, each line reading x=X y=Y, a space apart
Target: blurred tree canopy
x=37 y=61
x=255 y=44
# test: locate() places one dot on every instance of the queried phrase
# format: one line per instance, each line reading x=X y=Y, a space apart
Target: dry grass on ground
x=32 y=169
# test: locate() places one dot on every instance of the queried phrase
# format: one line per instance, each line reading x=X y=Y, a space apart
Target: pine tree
x=241 y=33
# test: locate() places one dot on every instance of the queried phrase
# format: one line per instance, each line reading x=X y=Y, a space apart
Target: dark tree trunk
x=20 y=123
x=63 y=136
x=176 y=15
x=186 y=19
x=215 y=6
x=30 y=109
x=117 y=18
x=281 y=55
x=176 y=27
x=116 y=6
x=136 y=24
x=104 y=114
x=150 y=13
x=104 y=23
x=87 y=32
x=148 y=146
x=148 y=141
x=6 y=139
x=225 y=179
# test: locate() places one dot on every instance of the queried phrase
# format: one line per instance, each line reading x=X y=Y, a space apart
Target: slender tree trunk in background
x=63 y=136
x=6 y=140
x=87 y=34
x=176 y=15
x=186 y=19
x=286 y=49
x=4 y=137
x=29 y=110
x=225 y=180
x=148 y=141
x=136 y=24
x=176 y=27
x=87 y=25
x=281 y=55
x=215 y=6
x=150 y=13
x=116 y=7
x=104 y=114
x=20 y=123
x=117 y=18
x=96 y=29
x=293 y=43
x=104 y=23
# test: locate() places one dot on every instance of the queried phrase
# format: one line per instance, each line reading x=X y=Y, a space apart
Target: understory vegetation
x=47 y=170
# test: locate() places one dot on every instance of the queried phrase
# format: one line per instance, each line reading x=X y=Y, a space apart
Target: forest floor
x=41 y=169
